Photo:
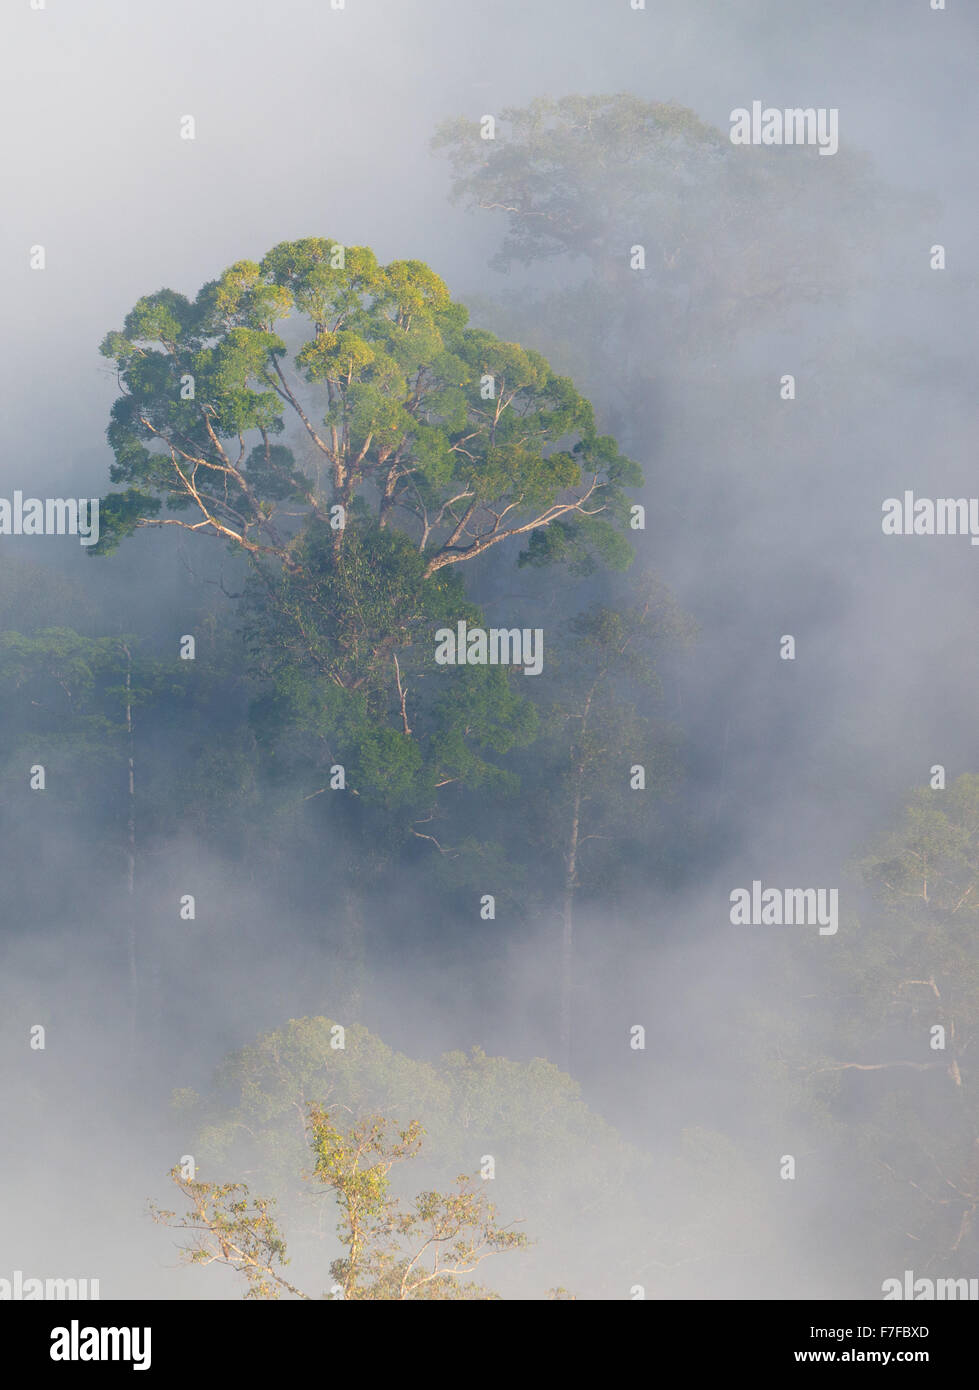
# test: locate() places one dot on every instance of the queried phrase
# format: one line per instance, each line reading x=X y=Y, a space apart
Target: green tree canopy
x=606 y=1214
x=393 y=1250
x=441 y=429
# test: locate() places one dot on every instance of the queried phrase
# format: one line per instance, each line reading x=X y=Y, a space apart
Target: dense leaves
x=458 y=439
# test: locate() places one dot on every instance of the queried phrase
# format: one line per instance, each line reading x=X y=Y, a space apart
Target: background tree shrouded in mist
x=664 y=239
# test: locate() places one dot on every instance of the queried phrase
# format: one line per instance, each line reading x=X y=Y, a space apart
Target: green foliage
x=344 y=646
x=552 y=1151
x=605 y=1214
x=395 y=1251
x=61 y=705
x=852 y=1053
x=425 y=443
x=389 y=390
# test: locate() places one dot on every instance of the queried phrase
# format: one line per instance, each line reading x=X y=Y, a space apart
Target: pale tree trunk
x=570 y=885
x=567 y=924
x=131 y=846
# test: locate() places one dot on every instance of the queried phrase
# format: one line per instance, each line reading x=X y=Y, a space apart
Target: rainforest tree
x=340 y=425
x=392 y=1250
x=434 y=427
x=677 y=228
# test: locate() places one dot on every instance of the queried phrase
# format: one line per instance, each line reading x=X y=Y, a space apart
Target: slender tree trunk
x=570 y=885
x=131 y=845
x=567 y=924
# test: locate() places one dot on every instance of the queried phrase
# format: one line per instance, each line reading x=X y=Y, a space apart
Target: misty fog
x=762 y=518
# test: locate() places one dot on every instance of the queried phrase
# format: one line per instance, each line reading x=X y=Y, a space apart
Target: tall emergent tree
x=340 y=425
x=457 y=439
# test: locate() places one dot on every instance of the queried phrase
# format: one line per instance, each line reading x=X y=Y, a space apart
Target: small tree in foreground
x=421 y=1250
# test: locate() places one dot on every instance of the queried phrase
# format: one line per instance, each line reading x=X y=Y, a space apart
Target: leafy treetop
x=434 y=427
